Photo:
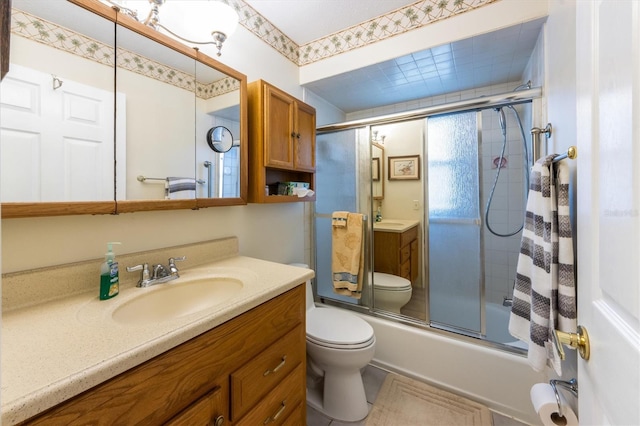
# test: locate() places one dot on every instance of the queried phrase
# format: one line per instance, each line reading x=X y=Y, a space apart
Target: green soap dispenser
x=109 y=280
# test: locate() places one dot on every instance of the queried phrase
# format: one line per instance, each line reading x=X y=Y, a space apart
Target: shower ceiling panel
x=489 y=59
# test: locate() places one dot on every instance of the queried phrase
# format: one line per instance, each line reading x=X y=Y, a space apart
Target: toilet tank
x=309 y=292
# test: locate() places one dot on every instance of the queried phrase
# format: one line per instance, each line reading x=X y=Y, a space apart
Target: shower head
x=503 y=121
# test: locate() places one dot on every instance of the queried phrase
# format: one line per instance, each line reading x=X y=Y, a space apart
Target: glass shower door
x=339 y=159
x=454 y=221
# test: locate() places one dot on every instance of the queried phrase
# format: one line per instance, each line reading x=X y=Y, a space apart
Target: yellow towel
x=347 y=260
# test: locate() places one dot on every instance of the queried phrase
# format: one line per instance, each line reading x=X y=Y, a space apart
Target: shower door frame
x=475 y=104
x=425 y=249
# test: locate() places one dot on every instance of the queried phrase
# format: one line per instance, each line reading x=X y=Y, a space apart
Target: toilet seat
x=337 y=329
x=388 y=282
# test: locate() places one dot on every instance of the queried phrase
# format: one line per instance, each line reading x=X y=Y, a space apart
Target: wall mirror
x=56 y=113
x=155 y=129
x=164 y=95
x=219 y=127
x=377 y=170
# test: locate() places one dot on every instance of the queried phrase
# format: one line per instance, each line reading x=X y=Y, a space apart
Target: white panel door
x=57 y=144
x=608 y=209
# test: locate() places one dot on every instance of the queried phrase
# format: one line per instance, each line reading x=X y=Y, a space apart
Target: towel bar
x=142 y=178
x=572 y=153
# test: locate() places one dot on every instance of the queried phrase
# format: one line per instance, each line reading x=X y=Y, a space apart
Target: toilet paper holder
x=570 y=385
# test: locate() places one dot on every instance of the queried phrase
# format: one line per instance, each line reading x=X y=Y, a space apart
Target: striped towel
x=347 y=259
x=179 y=188
x=544 y=296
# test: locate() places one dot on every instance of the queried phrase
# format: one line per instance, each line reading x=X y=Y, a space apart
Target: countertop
x=395 y=225
x=58 y=349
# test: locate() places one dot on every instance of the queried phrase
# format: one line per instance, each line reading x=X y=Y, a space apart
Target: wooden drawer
x=280 y=404
x=208 y=410
x=296 y=415
x=256 y=378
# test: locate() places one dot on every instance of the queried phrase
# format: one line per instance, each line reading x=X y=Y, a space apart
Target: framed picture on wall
x=375 y=169
x=404 y=168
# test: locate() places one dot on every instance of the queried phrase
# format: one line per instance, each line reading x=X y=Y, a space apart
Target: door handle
x=578 y=340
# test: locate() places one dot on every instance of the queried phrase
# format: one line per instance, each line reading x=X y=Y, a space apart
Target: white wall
x=272 y=232
x=561 y=97
x=402 y=139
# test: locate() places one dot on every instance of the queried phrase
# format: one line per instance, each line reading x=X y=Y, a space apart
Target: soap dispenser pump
x=109 y=280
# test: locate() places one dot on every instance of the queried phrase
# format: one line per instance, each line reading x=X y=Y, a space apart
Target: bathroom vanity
x=239 y=362
x=396 y=248
x=221 y=374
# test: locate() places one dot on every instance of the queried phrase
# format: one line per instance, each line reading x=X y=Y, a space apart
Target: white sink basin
x=177 y=299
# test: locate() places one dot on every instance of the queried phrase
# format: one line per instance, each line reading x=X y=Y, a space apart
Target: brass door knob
x=579 y=341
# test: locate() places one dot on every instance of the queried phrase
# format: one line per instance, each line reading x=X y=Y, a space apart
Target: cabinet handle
x=278 y=367
x=218 y=421
x=275 y=416
x=293 y=134
x=298 y=135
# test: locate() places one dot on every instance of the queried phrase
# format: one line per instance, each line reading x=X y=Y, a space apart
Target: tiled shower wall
x=508 y=204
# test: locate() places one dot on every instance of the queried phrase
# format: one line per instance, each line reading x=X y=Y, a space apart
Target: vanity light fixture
x=375 y=137
x=199 y=18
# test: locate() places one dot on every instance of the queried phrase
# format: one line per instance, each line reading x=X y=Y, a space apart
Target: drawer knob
x=275 y=416
x=218 y=421
x=278 y=367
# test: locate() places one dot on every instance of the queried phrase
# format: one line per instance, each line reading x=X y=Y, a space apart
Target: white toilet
x=390 y=292
x=339 y=346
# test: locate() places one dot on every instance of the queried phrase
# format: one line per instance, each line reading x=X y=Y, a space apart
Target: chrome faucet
x=160 y=273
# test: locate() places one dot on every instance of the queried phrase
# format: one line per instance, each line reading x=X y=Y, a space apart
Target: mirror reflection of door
x=57 y=106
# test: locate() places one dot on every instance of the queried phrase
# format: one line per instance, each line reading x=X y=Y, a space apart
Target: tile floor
x=373 y=378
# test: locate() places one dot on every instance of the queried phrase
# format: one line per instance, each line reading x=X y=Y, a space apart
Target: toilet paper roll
x=544 y=402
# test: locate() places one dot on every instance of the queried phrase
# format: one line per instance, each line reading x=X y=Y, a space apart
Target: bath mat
x=403 y=402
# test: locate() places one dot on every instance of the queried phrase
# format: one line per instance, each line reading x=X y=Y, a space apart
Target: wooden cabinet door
x=279 y=128
x=305 y=140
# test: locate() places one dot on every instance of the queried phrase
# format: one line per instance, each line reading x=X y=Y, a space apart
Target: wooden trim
x=130 y=206
x=98 y=8
x=5 y=36
x=20 y=210
x=217 y=202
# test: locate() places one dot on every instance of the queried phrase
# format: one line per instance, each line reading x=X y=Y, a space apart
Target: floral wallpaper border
x=53 y=35
x=399 y=21
x=408 y=18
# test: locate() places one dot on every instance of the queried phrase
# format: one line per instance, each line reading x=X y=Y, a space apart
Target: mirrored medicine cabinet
x=101 y=115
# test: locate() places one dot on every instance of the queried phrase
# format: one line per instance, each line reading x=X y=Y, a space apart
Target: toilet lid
x=337 y=327
x=390 y=282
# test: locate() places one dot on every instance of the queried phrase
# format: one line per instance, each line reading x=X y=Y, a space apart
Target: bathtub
x=465 y=314
x=496 y=378
x=498 y=326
